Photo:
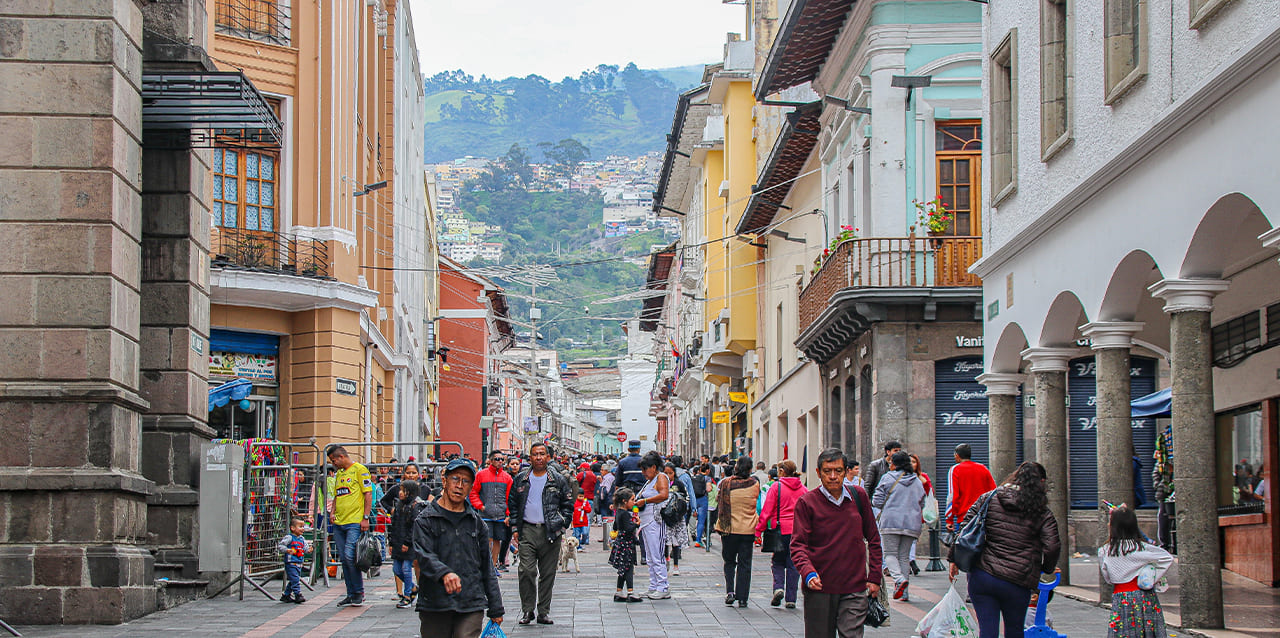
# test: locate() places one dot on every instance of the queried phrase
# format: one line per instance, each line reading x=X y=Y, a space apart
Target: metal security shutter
x=961 y=416
x=1082 y=433
x=243 y=342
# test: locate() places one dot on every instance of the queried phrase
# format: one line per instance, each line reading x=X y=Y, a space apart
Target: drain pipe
x=366 y=426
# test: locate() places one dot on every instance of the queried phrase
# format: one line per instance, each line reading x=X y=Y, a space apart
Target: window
x=244 y=188
x=1004 y=116
x=958 y=146
x=262 y=20
x=1235 y=340
x=1055 y=77
x=1239 y=487
x=1125 y=51
x=1273 y=325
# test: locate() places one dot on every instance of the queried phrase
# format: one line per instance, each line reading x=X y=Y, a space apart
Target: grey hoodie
x=901 y=506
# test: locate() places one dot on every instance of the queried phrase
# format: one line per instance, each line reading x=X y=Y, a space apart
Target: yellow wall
x=740 y=170
x=717 y=283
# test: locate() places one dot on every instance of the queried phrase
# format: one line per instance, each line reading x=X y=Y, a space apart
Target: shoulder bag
x=971 y=539
x=771 y=539
x=886 y=502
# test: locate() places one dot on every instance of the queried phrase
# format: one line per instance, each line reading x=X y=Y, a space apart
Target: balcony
x=862 y=276
x=235 y=248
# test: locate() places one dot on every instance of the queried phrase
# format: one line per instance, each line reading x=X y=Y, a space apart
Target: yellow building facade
x=322 y=247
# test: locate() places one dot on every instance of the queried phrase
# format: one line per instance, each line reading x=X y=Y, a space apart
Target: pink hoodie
x=792 y=489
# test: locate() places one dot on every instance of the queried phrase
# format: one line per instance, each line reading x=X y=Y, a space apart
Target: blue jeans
x=292 y=579
x=701 y=505
x=995 y=597
x=583 y=534
x=345 y=537
x=403 y=569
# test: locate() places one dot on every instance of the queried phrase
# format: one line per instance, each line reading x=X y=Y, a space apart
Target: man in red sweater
x=965 y=483
x=836 y=549
x=489 y=497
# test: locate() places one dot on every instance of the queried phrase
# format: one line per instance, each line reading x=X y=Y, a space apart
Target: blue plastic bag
x=492 y=630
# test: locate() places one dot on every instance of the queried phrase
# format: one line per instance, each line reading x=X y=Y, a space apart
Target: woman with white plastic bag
x=948 y=619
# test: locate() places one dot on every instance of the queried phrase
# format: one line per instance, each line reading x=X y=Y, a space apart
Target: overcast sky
x=555 y=38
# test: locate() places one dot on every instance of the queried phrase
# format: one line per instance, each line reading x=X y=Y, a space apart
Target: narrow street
x=582 y=608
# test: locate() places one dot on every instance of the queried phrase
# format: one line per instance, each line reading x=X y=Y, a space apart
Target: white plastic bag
x=930 y=510
x=948 y=619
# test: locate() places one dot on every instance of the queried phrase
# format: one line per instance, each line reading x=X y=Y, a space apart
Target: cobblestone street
x=582 y=607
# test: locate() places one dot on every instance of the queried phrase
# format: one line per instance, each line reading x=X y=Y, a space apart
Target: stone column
x=1049 y=365
x=1003 y=389
x=72 y=501
x=1111 y=343
x=1190 y=305
x=175 y=300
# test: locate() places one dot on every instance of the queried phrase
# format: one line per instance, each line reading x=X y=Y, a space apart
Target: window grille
x=262 y=20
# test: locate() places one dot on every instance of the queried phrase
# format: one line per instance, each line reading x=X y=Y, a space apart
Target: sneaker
x=286 y=598
x=357 y=600
x=659 y=595
x=298 y=599
x=675 y=571
x=619 y=598
x=344 y=602
x=777 y=597
x=632 y=598
x=742 y=604
x=697 y=544
x=900 y=590
x=404 y=603
x=728 y=599
x=790 y=605
x=915 y=570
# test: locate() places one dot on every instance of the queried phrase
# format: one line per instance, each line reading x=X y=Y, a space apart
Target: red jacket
x=789 y=489
x=489 y=493
x=587 y=481
x=581 y=508
x=968 y=480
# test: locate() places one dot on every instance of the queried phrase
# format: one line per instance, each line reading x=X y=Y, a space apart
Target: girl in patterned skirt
x=623 y=555
x=1136 y=569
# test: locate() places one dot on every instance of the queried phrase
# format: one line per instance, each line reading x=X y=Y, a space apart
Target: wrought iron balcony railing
x=262 y=20
x=269 y=252
x=890 y=262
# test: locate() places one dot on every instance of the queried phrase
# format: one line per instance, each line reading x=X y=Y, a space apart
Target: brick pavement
x=582 y=608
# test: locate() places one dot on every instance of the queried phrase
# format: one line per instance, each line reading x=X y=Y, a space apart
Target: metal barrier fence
x=280 y=484
x=430 y=471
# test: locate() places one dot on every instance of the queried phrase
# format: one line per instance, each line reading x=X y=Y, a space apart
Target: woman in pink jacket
x=779 y=510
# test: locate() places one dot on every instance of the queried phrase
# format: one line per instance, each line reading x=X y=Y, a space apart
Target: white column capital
x=1181 y=295
x=1046 y=359
x=1271 y=238
x=1006 y=383
x=1111 y=334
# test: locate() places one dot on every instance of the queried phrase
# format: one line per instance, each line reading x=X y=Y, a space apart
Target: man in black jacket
x=628 y=473
x=540 y=507
x=452 y=546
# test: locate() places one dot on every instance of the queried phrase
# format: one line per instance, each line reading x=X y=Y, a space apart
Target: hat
x=584 y=466
x=633 y=444
x=461 y=463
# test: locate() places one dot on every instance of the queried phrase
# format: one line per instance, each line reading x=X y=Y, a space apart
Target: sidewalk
x=582 y=608
x=1251 y=609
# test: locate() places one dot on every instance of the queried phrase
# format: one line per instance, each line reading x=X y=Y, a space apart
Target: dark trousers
x=737 y=564
x=538 y=557
x=450 y=624
x=785 y=576
x=995 y=597
x=627 y=578
x=293 y=579
x=825 y=614
x=1164 y=526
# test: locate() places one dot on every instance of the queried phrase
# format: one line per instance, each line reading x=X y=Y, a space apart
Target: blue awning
x=1157 y=404
x=228 y=392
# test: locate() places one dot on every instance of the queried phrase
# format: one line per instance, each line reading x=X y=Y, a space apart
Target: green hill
x=623 y=111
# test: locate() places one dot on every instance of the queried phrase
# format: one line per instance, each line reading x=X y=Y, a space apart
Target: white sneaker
x=675 y=571
x=659 y=595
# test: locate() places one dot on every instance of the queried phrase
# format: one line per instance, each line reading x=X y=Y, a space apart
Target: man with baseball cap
x=628 y=473
x=452 y=546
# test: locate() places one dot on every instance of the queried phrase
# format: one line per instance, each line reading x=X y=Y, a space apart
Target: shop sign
x=968 y=342
x=721 y=416
x=702 y=423
x=244 y=366
x=344 y=386
x=738 y=397
x=530 y=424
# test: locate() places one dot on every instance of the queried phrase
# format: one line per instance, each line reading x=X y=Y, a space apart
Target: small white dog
x=569 y=552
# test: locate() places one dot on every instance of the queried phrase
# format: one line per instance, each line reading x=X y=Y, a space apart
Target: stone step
x=168 y=570
x=176 y=591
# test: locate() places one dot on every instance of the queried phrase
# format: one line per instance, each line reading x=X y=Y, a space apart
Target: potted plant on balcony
x=934 y=217
x=846 y=233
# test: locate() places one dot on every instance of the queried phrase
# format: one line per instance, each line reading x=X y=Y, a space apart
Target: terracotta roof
x=659 y=272
x=787 y=159
x=808 y=32
x=686 y=130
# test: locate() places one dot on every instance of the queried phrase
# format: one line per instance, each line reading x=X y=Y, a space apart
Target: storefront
x=960 y=415
x=251 y=356
x=1082 y=433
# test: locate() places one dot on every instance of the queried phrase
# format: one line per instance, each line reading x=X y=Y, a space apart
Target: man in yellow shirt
x=352 y=502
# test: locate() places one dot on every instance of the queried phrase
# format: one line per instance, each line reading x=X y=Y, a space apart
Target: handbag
x=886 y=500
x=771 y=540
x=972 y=537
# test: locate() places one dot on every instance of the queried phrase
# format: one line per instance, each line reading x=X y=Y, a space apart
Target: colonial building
x=1129 y=207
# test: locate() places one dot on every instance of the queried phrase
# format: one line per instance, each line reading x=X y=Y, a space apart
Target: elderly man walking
x=540 y=506
x=836 y=548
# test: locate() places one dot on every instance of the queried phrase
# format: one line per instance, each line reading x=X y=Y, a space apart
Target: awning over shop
x=1156 y=404
x=201 y=108
x=790 y=153
x=228 y=392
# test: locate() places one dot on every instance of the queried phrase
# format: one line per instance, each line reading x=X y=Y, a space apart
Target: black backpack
x=675 y=509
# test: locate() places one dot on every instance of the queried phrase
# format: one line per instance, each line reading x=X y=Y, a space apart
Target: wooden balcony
x=890 y=262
